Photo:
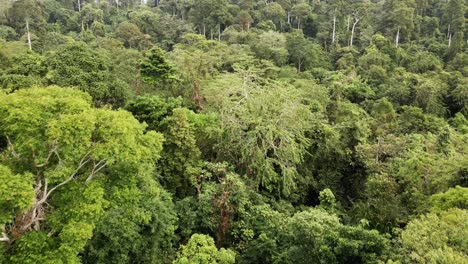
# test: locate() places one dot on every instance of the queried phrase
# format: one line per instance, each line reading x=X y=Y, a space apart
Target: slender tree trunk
x=298 y=23
x=198 y=100
x=352 y=31
x=219 y=32
x=448 y=31
x=299 y=65
x=289 y=17
x=347 y=27
x=450 y=40
x=334 y=27
x=397 y=39
x=204 y=29
x=28 y=34
x=79 y=5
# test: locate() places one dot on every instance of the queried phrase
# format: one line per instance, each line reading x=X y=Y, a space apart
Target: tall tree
x=26 y=16
x=62 y=151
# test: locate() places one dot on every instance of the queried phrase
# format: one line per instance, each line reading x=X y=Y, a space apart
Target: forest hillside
x=233 y=131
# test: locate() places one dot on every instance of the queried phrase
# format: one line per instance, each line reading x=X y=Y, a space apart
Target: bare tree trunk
x=347 y=27
x=448 y=31
x=196 y=95
x=299 y=65
x=450 y=40
x=289 y=17
x=219 y=32
x=397 y=39
x=298 y=23
x=204 y=30
x=28 y=34
x=352 y=31
x=334 y=27
x=79 y=5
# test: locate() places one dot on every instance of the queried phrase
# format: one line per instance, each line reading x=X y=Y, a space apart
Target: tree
x=155 y=69
x=77 y=65
x=200 y=249
x=245 y=19
x=181 y=153
x=398 y=19
x=301 y=12
x=274 y=12
x=210 y=15
x=17 y=197
x=437 y=237
x=196 y=61
x=271 y=46
x=429 y=93
x=454 y=15
x=132 y=36
x=261 y=138
x=316 y=236
x=69 y=149
x=304 y=53
x=26 y=16
x=152 y=110
x=25 y=71
x=453 y=198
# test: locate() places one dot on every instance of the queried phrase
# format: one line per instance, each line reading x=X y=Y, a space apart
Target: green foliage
x=153 y=109
x=181 y=153
x=453 y=198
x=77 y=65
x=201 y=249
x=260 y=137
x=271 y=46
x=16 y=194
x=72 y=148
x=155 y=69
x=315 y=236
x=305 y=54
x=438 y=238
x=284 y=131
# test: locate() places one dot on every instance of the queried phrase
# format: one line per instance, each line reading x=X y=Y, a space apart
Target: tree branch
x=4 y=238
x=83 y=162
x=96 y=168
x=12 y=149
x=51 y=152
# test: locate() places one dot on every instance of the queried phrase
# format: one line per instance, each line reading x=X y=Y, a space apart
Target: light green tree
x=201 y=249
x=437 y=238
x=70 y=151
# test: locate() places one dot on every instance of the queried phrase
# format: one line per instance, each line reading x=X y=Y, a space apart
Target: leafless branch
x=4 y=238
x=52 y=151
x=96 y=168
x=12 y=149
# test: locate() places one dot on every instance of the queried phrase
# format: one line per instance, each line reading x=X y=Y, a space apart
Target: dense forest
x=233 y=131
